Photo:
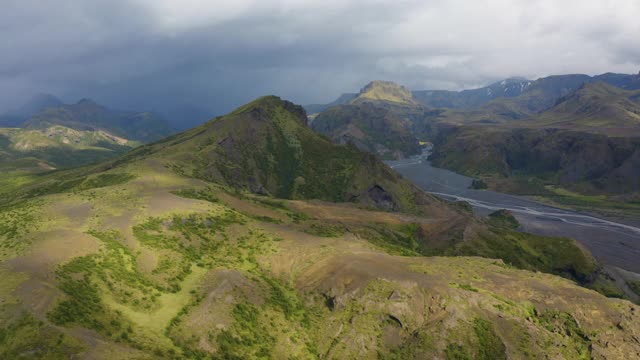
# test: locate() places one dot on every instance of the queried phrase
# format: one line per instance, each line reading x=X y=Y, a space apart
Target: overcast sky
x=142 y=54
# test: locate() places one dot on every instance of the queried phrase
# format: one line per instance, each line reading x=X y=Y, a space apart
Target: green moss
x=491 y=346
x=15 y=222
x=26 y=337
x=326 y=230
x=456 y=352
x=248 y=337
x=103 y=180
x=396 y=240
x=563 y=323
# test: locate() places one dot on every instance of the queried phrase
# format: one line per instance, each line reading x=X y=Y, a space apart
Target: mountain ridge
x=159 y=254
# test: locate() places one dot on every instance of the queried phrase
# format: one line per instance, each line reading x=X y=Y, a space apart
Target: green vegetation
x=399 y=240
x=561 y=256
x=198 y=194
x=634 y=286
x=288 y=160
x=65 y=181
x=456 y=352
x=26 y=337
x=15 y=222
x=503 y=219
x=478 y=184
x=466 y=287
x=254 y=331
x=563 y=323
x=491 y=347
x=326 y=230
x=83 y=279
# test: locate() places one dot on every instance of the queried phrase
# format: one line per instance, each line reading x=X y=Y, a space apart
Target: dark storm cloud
x=218 y=54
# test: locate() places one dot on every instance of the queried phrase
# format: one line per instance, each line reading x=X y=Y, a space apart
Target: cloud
x=218 y=54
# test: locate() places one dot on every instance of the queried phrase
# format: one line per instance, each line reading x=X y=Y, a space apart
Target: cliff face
x=607 y=164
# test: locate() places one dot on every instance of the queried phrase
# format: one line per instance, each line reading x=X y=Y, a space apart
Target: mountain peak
x=271 y=105
x=379 y=90
x=86 y=101
x=38 y=103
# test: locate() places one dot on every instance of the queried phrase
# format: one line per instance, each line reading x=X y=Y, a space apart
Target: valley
x=612 y=242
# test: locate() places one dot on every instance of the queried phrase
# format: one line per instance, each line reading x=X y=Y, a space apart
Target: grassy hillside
x=180 y=249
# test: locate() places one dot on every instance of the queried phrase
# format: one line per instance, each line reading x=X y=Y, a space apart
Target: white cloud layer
x=218 y=54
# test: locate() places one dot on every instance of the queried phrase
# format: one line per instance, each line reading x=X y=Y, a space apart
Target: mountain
x=171 y=251
x=596 y=107
x=375 y=91
x=623 y=81
x=379 y=120
x=341 y=100
x=464 y=99
x=377 y=130
x=38 y=103
x=267 y=148
x=385 y=92
x=57 y=147
x=525 y=95
x=587 y=144
x=88 y=115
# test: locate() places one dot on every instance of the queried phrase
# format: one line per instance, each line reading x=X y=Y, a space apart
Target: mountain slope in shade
x=379 y=120
x=377 y=130
x=507 y=88
x=526 y=96
x=318 y=108
x=88 y=115
x=596 y=107
x=160 y=255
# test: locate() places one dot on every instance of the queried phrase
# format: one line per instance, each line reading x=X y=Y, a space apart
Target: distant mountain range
x=45 y=133
x=576 y=132
x=540 y=94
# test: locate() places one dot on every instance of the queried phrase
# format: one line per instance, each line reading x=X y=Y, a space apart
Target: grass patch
x=456 y=352
x=467 y=287
x=326 y=230
x=491 y=346
x=15 y=222
x=634 y=286
x=206 y=194
x=26 y=337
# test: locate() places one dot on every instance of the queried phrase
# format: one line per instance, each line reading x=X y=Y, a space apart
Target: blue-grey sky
x=215 y=55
